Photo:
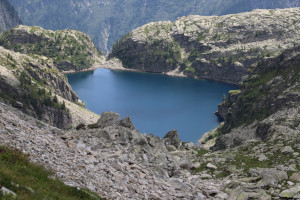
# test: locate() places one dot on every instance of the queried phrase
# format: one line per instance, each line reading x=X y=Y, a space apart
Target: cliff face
x=28 y=85
x=34 y=85
x=267 y=105
x=70 y=50
x=8 y=16
x=218 y=48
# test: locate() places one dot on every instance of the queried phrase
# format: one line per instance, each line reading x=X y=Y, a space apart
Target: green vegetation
x=30 y=181
x=214 y=134
x=169 y=53
x=243 y=159
x=69 y=49
x=257 y=94
x=234 y=92
x=37 y=97
x=190 y=69
x=253 y=94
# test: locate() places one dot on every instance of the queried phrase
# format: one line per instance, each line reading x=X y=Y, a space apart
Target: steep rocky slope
x=108 y=20
x=218 y=48
x=34 y=85
x=267 y=105
x=8 y=16
x=114 y=160
x=69 y=49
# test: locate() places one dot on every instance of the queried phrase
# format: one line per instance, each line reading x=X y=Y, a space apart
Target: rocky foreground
x=114 y=160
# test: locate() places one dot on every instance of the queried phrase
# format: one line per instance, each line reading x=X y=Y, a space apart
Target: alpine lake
x=156 y=103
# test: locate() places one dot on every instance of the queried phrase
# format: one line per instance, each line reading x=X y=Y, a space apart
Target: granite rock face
x=210 y=47
x=267 y=104
x=34 y=85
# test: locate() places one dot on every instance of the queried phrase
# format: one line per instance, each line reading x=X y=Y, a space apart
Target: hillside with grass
x=70 y=50
x=33 y=84
x=22 y=179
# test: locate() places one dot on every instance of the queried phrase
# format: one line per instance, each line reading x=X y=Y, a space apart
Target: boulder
x=126 y=122
x=211 y=166
x=269 y=176
x=293 y=192
x=6 y=191
x=295 y=177
x=287 y=149
x=185 y=164
x=171 y=138
x=108 y=119
x=80 y=126
x=262 y=157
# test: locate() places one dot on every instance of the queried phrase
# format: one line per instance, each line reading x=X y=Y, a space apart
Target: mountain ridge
x=106 y=21
x=217 y=48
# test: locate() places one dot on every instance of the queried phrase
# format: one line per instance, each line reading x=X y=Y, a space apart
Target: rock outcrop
x=218 y=48
x=34 y=85
x=70 y=50
x=267 y=105
x=9 y=18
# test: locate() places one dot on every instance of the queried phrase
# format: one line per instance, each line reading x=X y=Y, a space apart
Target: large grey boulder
x=292 y=193
x=269 y=176
x=171 y=138
x=108 y=119
x=126 y=122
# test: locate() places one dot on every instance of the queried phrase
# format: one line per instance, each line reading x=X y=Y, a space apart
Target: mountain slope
x=267 y=105
x=32 y=82
x=106 y=20
x=218 y=48
x=69 y=49
x=8 y=16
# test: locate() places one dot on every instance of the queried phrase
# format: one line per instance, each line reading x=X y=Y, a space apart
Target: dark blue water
x=155 y=103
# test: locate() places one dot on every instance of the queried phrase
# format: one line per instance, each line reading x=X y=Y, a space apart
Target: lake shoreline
x=116 y=65
x=155 y=103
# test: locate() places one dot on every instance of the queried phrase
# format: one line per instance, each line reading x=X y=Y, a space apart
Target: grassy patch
x=201 y=152
x=234 y=92
x=62 y=47
x=31 y=181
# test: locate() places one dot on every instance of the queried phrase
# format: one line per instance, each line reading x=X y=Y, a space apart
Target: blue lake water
x=156 y=103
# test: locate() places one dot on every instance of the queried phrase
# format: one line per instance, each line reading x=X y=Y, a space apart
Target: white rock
x=211 y=166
